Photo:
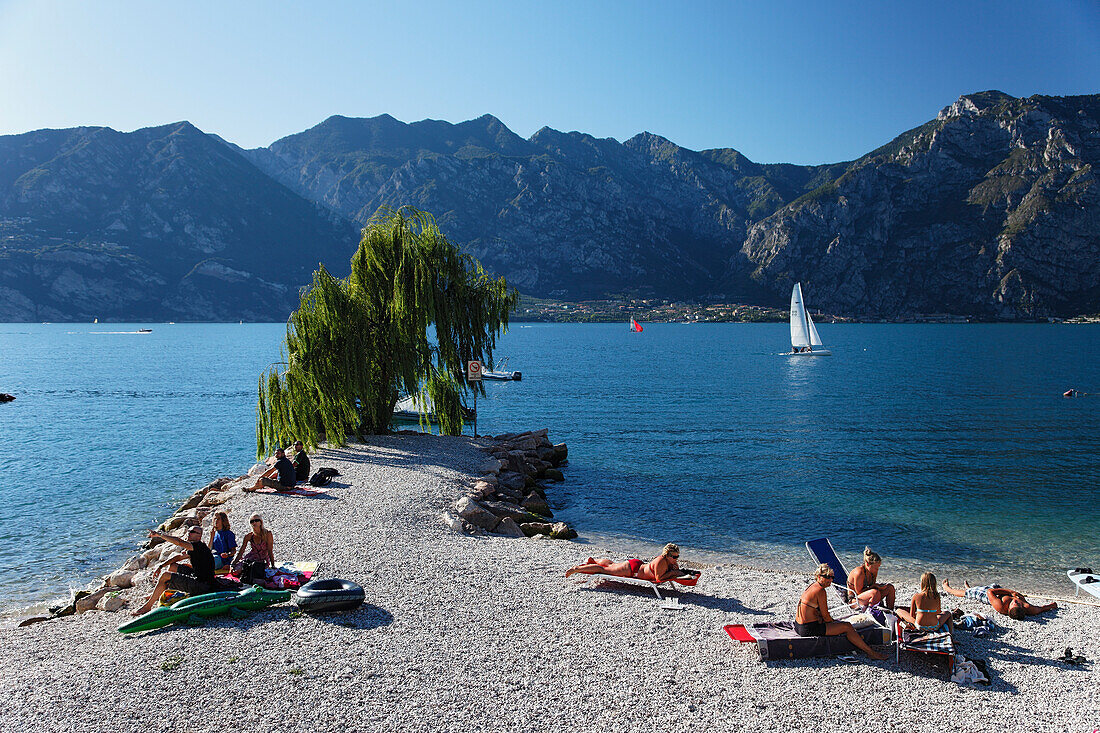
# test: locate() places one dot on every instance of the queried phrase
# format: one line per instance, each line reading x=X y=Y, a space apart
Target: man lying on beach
x=813 y=619
x=1011 y=603
x=863 y=582
x=194 y=578
x=661 y=568
x=283 y=468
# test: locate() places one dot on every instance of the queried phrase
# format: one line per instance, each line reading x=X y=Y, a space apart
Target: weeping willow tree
x=355 y=344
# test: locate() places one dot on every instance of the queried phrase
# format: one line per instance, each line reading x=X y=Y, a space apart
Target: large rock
x=174 y=522
x=561 y=451
x=554 y=474
x=514 y=511
x=111 y=603
x=562 y=531
x=513 y=481
x=120 y=579
x=509 y=528
x=493 y=465
x=476 y=514
x=535 y=503
x=532 y=529
x=136 y=563
x=90 y=601
x=215 y=498
x=193 y=500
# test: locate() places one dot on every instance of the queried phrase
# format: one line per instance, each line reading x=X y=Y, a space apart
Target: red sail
x=634 y=325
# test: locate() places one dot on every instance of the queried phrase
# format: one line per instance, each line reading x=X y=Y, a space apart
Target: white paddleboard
x=1088 y=582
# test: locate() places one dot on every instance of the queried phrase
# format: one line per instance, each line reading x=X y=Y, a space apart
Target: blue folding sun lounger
x=821 y=550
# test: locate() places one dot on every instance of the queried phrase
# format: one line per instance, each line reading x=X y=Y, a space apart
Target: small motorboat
x=144 y=330
x=501 y=376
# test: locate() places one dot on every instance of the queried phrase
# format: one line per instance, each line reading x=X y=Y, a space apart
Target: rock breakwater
x=510 y=497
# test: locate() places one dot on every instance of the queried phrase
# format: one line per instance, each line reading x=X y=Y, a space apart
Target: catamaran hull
x=818 y=352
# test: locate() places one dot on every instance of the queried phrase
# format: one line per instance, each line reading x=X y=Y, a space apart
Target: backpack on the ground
x=323 y=476
x=251 y=572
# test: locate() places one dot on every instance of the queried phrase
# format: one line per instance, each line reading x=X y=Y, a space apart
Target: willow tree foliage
x=354 y=344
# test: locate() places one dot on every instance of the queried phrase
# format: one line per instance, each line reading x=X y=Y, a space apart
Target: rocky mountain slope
x=991 y=209
x=165 y=223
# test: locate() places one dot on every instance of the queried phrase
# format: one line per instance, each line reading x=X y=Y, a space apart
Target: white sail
x=800 y=333
x=815 y=340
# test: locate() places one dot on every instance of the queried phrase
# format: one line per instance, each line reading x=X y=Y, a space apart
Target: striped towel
x=940 y=642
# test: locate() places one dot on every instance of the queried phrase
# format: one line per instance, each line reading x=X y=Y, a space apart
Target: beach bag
x=321 y=478
x=251 y=571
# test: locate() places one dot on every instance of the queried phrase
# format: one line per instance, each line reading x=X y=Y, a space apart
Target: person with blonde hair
x=863 y=582
x=661 y=568
x=925 y=610
x=813 y=619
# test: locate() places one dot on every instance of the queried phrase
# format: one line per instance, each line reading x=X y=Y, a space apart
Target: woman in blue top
x=223 y=543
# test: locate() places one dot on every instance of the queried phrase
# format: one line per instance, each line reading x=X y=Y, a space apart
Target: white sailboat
x=804 y=338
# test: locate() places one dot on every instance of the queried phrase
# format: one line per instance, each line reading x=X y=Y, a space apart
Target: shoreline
x=482 y=631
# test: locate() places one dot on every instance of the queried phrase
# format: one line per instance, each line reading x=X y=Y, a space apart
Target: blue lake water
x=943 y=446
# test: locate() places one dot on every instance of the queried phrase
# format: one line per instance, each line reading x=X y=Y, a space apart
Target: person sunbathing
x=925 y=611
x=813 y=619
x=661 y=568
x=863 y=582
x=1011 y=603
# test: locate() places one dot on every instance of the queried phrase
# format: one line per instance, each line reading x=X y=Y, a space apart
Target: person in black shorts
x=280 y=477
x=301 y=462
x=813 y=619
x=194 y=577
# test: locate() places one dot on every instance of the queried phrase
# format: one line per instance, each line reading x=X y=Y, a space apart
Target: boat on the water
x=145 y=330
x=805 y=340
x=501 y=376
x=635 y=326
x=410 y=409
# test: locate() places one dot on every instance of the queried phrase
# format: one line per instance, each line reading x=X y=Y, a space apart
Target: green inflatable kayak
x=193 y=610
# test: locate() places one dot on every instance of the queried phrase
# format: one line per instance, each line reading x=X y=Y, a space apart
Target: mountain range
x=992 y=209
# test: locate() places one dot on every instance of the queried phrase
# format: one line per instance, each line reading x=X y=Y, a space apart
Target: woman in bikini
x=661 y=568
x=863 y=582
x=813 y=619
x=925 y=611
x=259 y=544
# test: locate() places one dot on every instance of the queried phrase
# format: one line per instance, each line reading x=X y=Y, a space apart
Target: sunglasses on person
x=255 y=521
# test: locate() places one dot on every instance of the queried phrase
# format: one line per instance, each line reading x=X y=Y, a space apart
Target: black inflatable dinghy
x=331 y=594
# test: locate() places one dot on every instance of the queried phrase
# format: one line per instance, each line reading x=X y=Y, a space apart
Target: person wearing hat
x=191 y=571
x=281 y=476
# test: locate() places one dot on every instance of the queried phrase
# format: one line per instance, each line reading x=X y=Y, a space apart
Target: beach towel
x=779 y=640
x=287 y=576
x=296 y=491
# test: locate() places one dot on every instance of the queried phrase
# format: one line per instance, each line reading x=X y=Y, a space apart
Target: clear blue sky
x=801 y=82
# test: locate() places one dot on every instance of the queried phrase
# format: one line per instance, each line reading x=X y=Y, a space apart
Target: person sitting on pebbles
x=1011 y=603
x=283 y=469
x=194 y=578
x=258 y=545
x=301 y=462
x=812 y=617
x=661 y=568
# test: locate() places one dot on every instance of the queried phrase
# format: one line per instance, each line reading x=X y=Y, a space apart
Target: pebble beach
x=478 y=631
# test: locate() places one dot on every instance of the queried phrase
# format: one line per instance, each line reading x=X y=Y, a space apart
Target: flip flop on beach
x=1070 y=658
